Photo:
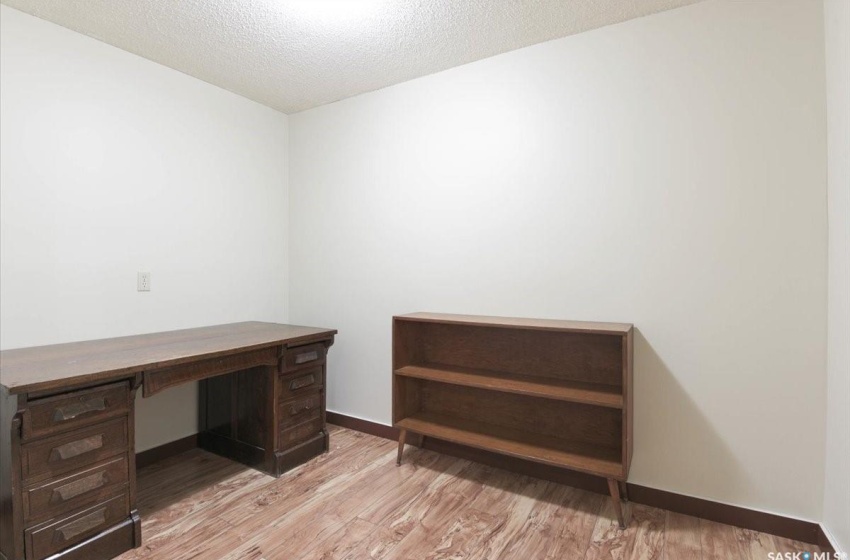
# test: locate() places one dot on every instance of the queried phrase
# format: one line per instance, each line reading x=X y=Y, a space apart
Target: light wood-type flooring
x=354 y=503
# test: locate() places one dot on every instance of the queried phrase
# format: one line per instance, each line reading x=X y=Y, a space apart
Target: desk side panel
x=11 y=535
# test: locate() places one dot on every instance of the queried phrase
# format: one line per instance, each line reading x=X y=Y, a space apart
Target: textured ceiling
x=296 y=54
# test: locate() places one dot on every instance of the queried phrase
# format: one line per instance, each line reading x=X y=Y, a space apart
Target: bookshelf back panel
x=592 y=358
x=407 y=397
x=594 y=425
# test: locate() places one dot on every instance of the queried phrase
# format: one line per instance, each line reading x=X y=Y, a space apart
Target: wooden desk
x=67 y=459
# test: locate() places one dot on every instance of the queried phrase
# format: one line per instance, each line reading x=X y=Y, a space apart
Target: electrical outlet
x=143 y=282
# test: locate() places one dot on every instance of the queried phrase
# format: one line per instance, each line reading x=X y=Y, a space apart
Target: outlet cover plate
x=143 y=282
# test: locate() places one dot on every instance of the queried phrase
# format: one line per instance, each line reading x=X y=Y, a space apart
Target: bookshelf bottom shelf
x=583 y=457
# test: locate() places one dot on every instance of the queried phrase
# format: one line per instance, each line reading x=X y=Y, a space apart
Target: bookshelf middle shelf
x=597 y=394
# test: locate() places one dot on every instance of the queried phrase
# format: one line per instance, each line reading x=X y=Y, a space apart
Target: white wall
x=668 y=171
x=113 y=164
x=837 y=484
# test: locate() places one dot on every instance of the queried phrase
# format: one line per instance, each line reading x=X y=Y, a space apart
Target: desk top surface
x=43 y=368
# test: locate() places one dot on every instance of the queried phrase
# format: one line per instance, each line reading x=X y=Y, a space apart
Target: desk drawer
x=72 y=410
x=302 y=432
x=51 y=537
x=303 y=356
x=73 y=450
x=160 y=379
x=305 y=381
x=302 y=409
x=57 y=497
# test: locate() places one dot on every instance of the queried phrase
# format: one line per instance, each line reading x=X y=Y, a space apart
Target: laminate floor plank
x=609 y=542
x=423 y=472
x=357 y=540
x=300 y=485
x=420 y=522
x=682 y=537
x=308 y=516
x=579 y=515
x=719 y=541
x=649 y=526
x=315 y=521
x=489 y=497
x=354 y=503
x=163 y=488
x=246 y=491
x=559 y=526
x=176 y=545
x=755 y=545
x=466 y=537
x=513 y=509
x=194 y=511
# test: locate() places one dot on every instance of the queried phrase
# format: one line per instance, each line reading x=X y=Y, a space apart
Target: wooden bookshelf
x=553 y=392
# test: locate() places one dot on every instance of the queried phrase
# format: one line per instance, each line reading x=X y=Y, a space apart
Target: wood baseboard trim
x=156 y=454
x=787 y=527
x=360 y=425
x=824 y=540
x=796 y=529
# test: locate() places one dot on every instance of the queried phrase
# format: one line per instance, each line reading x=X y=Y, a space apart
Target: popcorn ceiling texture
x=297 y=54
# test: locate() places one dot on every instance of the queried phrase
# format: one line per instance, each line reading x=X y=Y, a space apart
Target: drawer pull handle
x=79 y=487
x=306 y=357
x=73 y=410
x=305 y=381
x=75 y=448
x=296 y=410
x=81 y=525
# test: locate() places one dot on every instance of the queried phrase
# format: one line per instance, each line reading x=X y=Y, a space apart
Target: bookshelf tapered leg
x=614 y=488
x=402 y=435
x=624 y=491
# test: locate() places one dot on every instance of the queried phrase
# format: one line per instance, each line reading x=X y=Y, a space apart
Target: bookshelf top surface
x=520 y=323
